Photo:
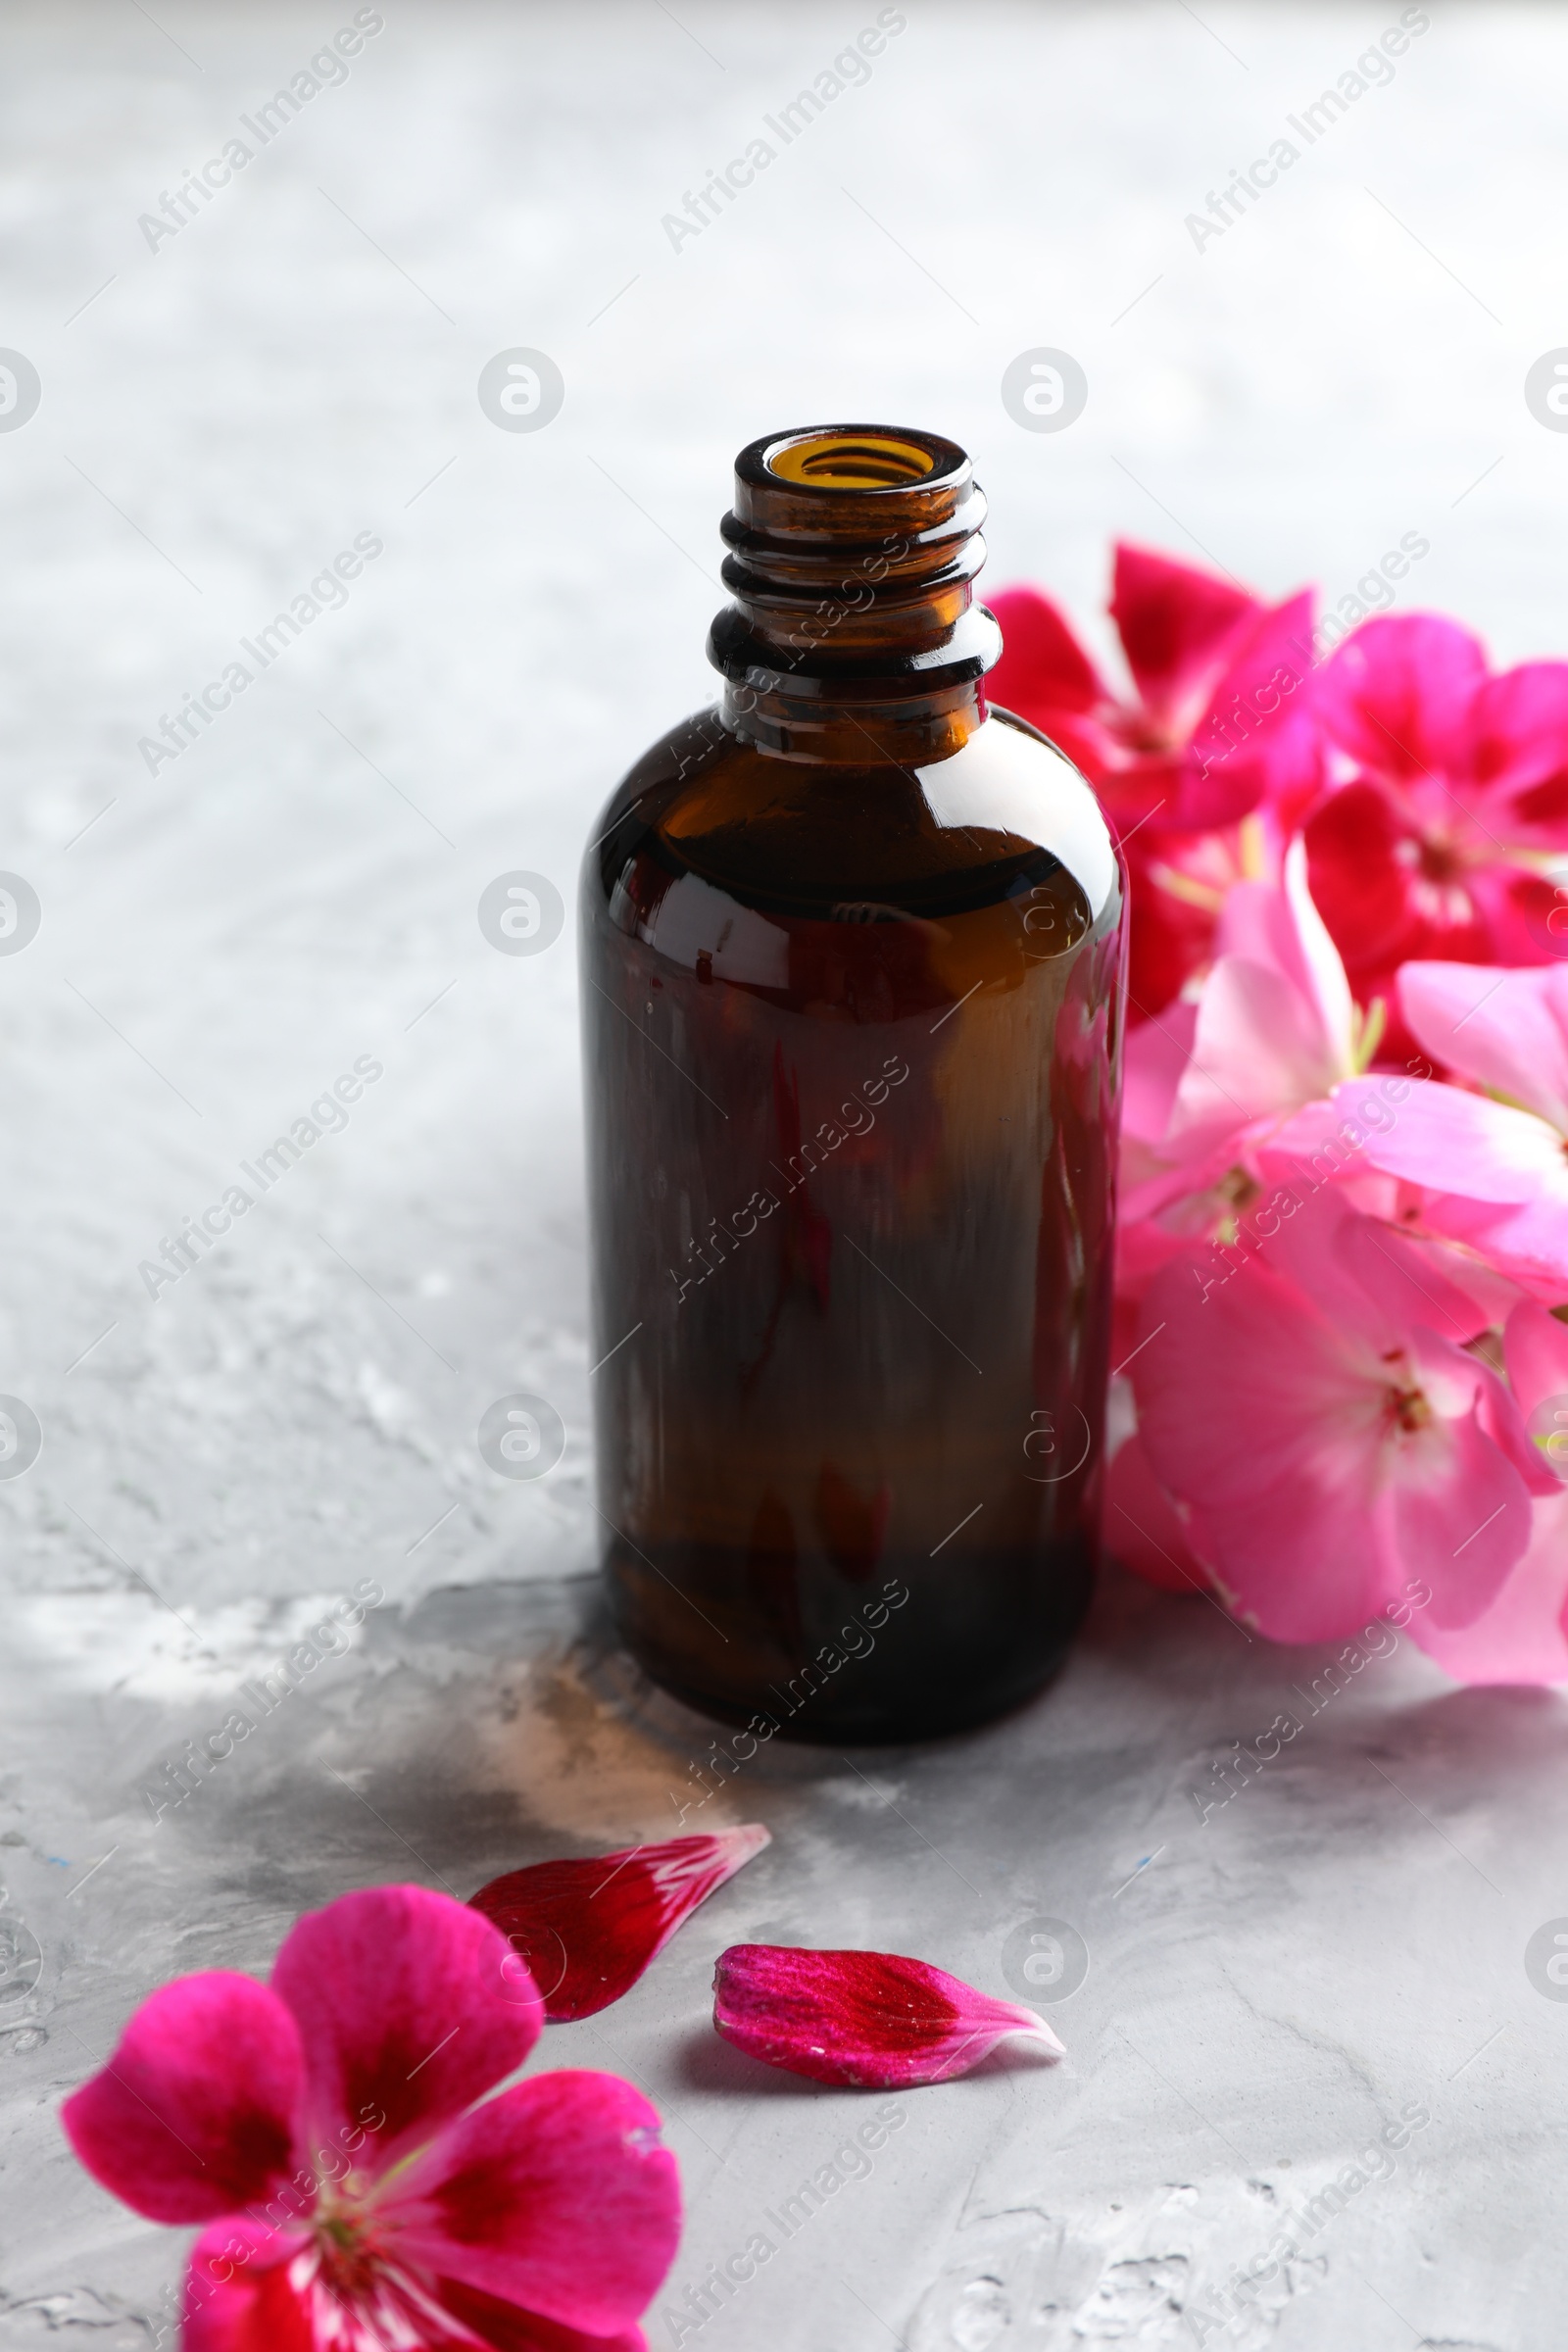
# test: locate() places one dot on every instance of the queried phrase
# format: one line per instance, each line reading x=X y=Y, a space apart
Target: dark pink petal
x=508 y=2330
x=1396 y=696
x=587 y=1930
x=1364 y=867
x=871 y=2019
x=238 y=2295
x=248 y=2290
x=1175 y=624
x=195 y=2113
x=409 y=2006
x=1519 y=729
x=1043 y=667
x=555 y=2196
x=1254 y=737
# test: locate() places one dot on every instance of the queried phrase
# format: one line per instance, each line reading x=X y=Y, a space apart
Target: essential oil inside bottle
x=853 y=949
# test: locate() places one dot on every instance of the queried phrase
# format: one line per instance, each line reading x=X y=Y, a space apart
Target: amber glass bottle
x=852 y=952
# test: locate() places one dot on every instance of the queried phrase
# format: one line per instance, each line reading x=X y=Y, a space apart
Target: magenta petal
x=587 y=1930
x=238 y=2295
x=871 y=2019
x=507 y=2329
x=1265 y=666
x=410 y=2006
x=194 y=2115
x=1043 y=667
x=1398 y=695
x=1176 y=625
x=554 y=2196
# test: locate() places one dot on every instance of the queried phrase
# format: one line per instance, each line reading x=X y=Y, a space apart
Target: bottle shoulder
x=805 y=836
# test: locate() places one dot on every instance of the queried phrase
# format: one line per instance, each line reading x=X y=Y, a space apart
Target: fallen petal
x=871 y=2019
x=588 y=1929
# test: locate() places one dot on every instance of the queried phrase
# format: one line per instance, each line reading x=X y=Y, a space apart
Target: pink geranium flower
x=1452 y=803
x=1210 y=725
x=1326 y=1438
x=1498 y=1169
x=354 y=2198
x=872 y=2020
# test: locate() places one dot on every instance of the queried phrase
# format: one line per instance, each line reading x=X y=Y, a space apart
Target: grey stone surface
x=1344 y=1939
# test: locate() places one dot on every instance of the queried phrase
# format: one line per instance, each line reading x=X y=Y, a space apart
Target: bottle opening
x=850 y=460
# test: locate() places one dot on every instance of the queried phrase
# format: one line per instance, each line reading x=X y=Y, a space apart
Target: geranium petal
x=554 y=2196
x=1507 y=1030
x=588 y=1929
x=1258 y=1407
x=1254 y=737
x=1519 y=728
x=410 y=2006
x=1361 y=852
x=1397 y=695
x=1526 y=1242
x=249 y=2290
x=1175 y=624
x=510 y=2329
x=1463 y=1517
x=1281 y=926
x=1536 y=1351
x=195 y=2113
x=1521 y=1637
x=1141 y=1528
x=1043 y=667
x=238 y=2296
x=1259 y=1051
x=874 y=2020
x=1458 y=1143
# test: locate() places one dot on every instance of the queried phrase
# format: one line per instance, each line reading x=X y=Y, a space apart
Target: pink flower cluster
x=1343 y=1247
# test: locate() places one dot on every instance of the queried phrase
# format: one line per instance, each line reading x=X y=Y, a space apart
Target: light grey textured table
x=223 y=411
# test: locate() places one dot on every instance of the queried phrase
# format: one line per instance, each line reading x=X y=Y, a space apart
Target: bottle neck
x=853 y=637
